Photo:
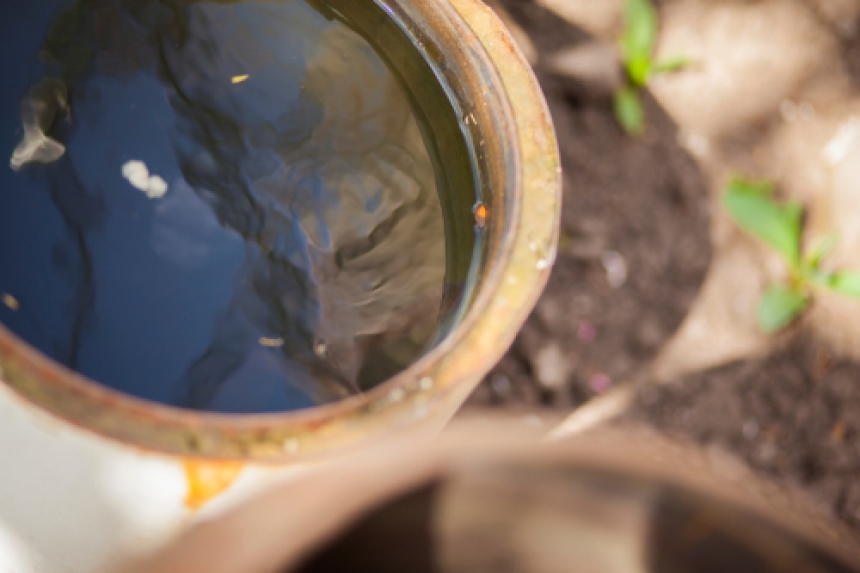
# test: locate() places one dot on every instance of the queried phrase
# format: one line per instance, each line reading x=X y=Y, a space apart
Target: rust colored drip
x=207 y=480
x=481 y=213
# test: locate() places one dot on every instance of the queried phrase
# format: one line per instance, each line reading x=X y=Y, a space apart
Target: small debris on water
x=616 y=268
x=11 y=302
x=271 y=342
x=137 y=174
x=239 y=79
x=320 y=348
x=38 y=113
x=586 y=332
x=480 y=211
x=600 y=383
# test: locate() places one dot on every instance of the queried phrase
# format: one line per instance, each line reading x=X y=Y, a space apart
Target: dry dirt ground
x=650 y=311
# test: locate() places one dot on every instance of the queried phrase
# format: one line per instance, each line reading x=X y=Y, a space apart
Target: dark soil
x=793 y=415
x=643 y=199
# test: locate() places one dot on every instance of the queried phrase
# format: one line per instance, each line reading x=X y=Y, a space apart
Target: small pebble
x=551 y=367
x=838 y=432
x=750 y=429
x=586 y=332
x=616 y=268
x=600 y=383
x=501 y=384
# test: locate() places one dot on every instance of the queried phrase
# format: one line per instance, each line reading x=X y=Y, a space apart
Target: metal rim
x=483 y=60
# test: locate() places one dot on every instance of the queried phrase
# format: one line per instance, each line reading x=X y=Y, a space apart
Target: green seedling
x=780 y=225
x=637 y=50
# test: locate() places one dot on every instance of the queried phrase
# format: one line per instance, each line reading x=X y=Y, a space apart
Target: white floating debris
x=138 y=175
x=616 y=268
x=11 y=302
x=271 y=342
x=321 y=348
x=35 y=147
x=38 y=111
x=843 y=142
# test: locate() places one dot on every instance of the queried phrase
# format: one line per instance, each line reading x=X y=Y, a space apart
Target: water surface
x=225 y=206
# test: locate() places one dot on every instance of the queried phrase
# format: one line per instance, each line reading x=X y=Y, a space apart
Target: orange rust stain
x=481 y=213
x=208 y=479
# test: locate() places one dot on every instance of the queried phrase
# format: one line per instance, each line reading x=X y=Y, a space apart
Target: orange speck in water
x=481 y=213
x=208 y=479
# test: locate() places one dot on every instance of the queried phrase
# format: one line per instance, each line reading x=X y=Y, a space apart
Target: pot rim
x=523 y=227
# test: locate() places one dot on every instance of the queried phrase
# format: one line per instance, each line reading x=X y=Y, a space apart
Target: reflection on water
x=217 y=205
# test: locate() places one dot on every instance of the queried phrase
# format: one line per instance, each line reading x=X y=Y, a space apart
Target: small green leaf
x=639 y=71
x=778 y=307
x=752 y=207
x=846 y=283
x=822 y=247
x=670 y=65
x=628 y=111
x=640 y=30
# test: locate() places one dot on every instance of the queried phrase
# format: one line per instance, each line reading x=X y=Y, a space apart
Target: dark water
x=228 y=206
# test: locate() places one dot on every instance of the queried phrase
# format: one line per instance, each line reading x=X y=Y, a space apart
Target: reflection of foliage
x=278 y=294
x=753 y=208
x=81 y=213
x=637 y=48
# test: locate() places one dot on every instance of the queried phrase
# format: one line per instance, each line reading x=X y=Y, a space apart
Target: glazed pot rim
x=524 y=221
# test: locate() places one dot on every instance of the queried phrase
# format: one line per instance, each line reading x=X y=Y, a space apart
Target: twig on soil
x=595 y=412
